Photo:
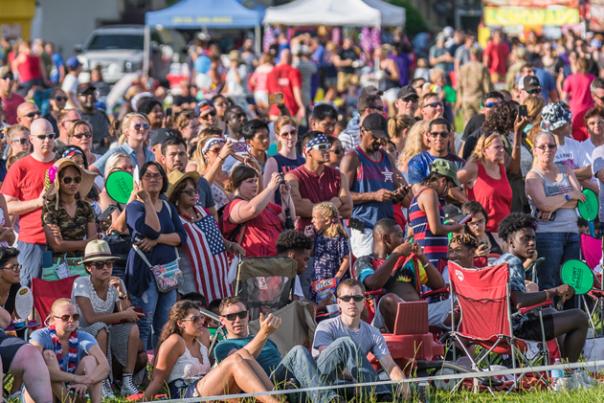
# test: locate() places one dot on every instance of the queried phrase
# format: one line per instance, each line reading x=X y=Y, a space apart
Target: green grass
x=595 y=394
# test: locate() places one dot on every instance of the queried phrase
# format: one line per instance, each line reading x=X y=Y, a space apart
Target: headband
x=210 y=143
x=318 y=139
x=70 y=152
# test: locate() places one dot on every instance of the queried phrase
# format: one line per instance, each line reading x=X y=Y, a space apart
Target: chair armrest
x=438 y=291
x=526 y=309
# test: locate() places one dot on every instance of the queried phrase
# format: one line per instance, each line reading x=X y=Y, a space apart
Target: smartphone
x=465 y=219
x=522 y=111
x=239 y=146
x=136 y=175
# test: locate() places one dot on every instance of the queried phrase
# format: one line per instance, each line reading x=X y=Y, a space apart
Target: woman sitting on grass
x=183 y=362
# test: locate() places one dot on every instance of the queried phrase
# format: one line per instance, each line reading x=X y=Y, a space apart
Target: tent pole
x=257 y=39
x=147 y=50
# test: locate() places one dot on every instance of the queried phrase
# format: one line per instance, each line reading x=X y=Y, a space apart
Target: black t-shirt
x=347 y=54
x=470 y=144
x=181 y=99
x=473 y=124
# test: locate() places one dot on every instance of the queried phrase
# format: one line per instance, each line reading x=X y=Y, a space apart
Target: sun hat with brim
x=176 y=177
x=444 y=168
x=555 y=116
x=63 y=163
x=97 y=250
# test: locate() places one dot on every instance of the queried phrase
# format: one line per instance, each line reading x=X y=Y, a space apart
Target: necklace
x=190 y=217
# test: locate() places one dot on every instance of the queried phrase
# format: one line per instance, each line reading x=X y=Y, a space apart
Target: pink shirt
x=577 y=87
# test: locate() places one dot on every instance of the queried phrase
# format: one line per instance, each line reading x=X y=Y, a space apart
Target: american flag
x=207 y=255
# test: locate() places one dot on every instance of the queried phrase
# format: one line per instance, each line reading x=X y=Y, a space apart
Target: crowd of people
x=347 y=159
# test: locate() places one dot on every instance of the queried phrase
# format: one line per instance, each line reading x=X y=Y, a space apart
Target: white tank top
x=188 y=367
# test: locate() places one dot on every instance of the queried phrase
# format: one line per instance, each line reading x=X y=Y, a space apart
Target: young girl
x=331 y=250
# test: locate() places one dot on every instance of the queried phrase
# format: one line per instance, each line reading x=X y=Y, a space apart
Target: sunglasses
x=441 y=134
x=337 y=151
x=141 y=126
x=68 y=179
x=213 y=113
x=534 y=92
x=195 y=319
x=65 y=318
x=546 y=147
x=79 y=136
x=60 y=99
x=49 y=136
x=32 y=115
x=231 y=316
x=490 y=104
x=321 y=147
x=23 y=141
x=13 y=267
x=410 y=99
x=356 y=298
x=289 y=134
x=434 y=105
x=101 y=265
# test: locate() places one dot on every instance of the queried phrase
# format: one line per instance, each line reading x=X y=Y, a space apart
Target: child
x=331 y=251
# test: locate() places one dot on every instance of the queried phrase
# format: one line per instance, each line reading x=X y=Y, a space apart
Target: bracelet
x=567 y=197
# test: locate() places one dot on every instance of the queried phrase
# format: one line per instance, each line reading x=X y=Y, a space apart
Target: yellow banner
x=552 y=16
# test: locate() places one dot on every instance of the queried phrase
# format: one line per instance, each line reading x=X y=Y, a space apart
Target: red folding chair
x=47 y=292
x=483 y=296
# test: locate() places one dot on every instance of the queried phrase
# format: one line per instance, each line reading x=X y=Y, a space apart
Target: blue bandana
x=318 y=139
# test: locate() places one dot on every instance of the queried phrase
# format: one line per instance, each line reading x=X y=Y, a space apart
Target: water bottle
x=556 y=373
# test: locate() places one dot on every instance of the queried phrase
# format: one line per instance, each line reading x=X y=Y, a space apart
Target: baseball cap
x=445 y=168
x=73 y=62
x=531 y=83
x=86 y=88
x=376 y=124
x=158 y=136
x=555 y=116
x=407 y=92
x=203 y=106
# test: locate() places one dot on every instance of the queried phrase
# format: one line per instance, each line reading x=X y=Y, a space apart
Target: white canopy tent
x=392 y=16
x=324 y=12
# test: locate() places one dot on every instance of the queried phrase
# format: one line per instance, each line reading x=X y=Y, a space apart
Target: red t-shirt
x=25 y=181
x=498 y=55
x=10 y=107
x=284 y=78
x=580 y=100
x=30 y=69
x=495 y=195
x=260 y=233
x=316 y=188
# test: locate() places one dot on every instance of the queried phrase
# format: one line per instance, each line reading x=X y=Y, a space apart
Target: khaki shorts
x=346 y=80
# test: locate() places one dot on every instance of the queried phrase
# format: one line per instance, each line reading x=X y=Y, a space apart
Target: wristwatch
x=567 y=197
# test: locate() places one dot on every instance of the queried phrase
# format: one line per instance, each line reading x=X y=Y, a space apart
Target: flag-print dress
x=206 y=265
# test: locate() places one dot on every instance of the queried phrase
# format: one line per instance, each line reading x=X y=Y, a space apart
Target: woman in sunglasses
x=68 y=219
x=287 y=157
x=252 y=219
x=183 y=362
x=9 y=280
x=17 y=137
x=133 y=142
x=75 y=362
x=80 y=135
x=58 y=101
x=106 y=313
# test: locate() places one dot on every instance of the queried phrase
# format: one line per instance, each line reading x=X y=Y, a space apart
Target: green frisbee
x=119 y=186
x=578 y=275
x=588 y=210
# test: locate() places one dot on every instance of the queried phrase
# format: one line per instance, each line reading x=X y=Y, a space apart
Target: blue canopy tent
x=194 y=14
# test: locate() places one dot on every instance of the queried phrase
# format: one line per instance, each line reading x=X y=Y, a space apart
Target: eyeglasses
x=13 y=267
x=61 y=99
x=434 y=105
x=231 y=316
x=32 y=115
x=195 y=319
x=337 y=151
x=141 y=126
x=213 y=113
x=546 y=147
x=356 y=298
x=289 y=134
x=48 y=136
x=22 y=140
x=534 y=92
x=321 y=147
x=66 y=318
x=79 y=136
x=101 y=265
x=190 y=192
x=149 y=176
x=441 y=134
x=68 y=179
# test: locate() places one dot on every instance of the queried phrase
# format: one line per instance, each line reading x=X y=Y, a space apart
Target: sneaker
x=107 y=390
x=581 y=380
x=128 y=386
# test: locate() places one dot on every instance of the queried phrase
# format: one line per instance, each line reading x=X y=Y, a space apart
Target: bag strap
x=170 y=212
x=142 y=255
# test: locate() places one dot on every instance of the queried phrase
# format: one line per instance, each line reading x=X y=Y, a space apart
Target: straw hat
x=97 y=250
x=176 y=177
x=54 y=183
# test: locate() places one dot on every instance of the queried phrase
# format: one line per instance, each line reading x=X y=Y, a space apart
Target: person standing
x=374 y=183
x=576 y=91
x=23 y=188
x=10 y=100
x=473 y=83
x=496 y=57
x=97 y=118
x=286 y=80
